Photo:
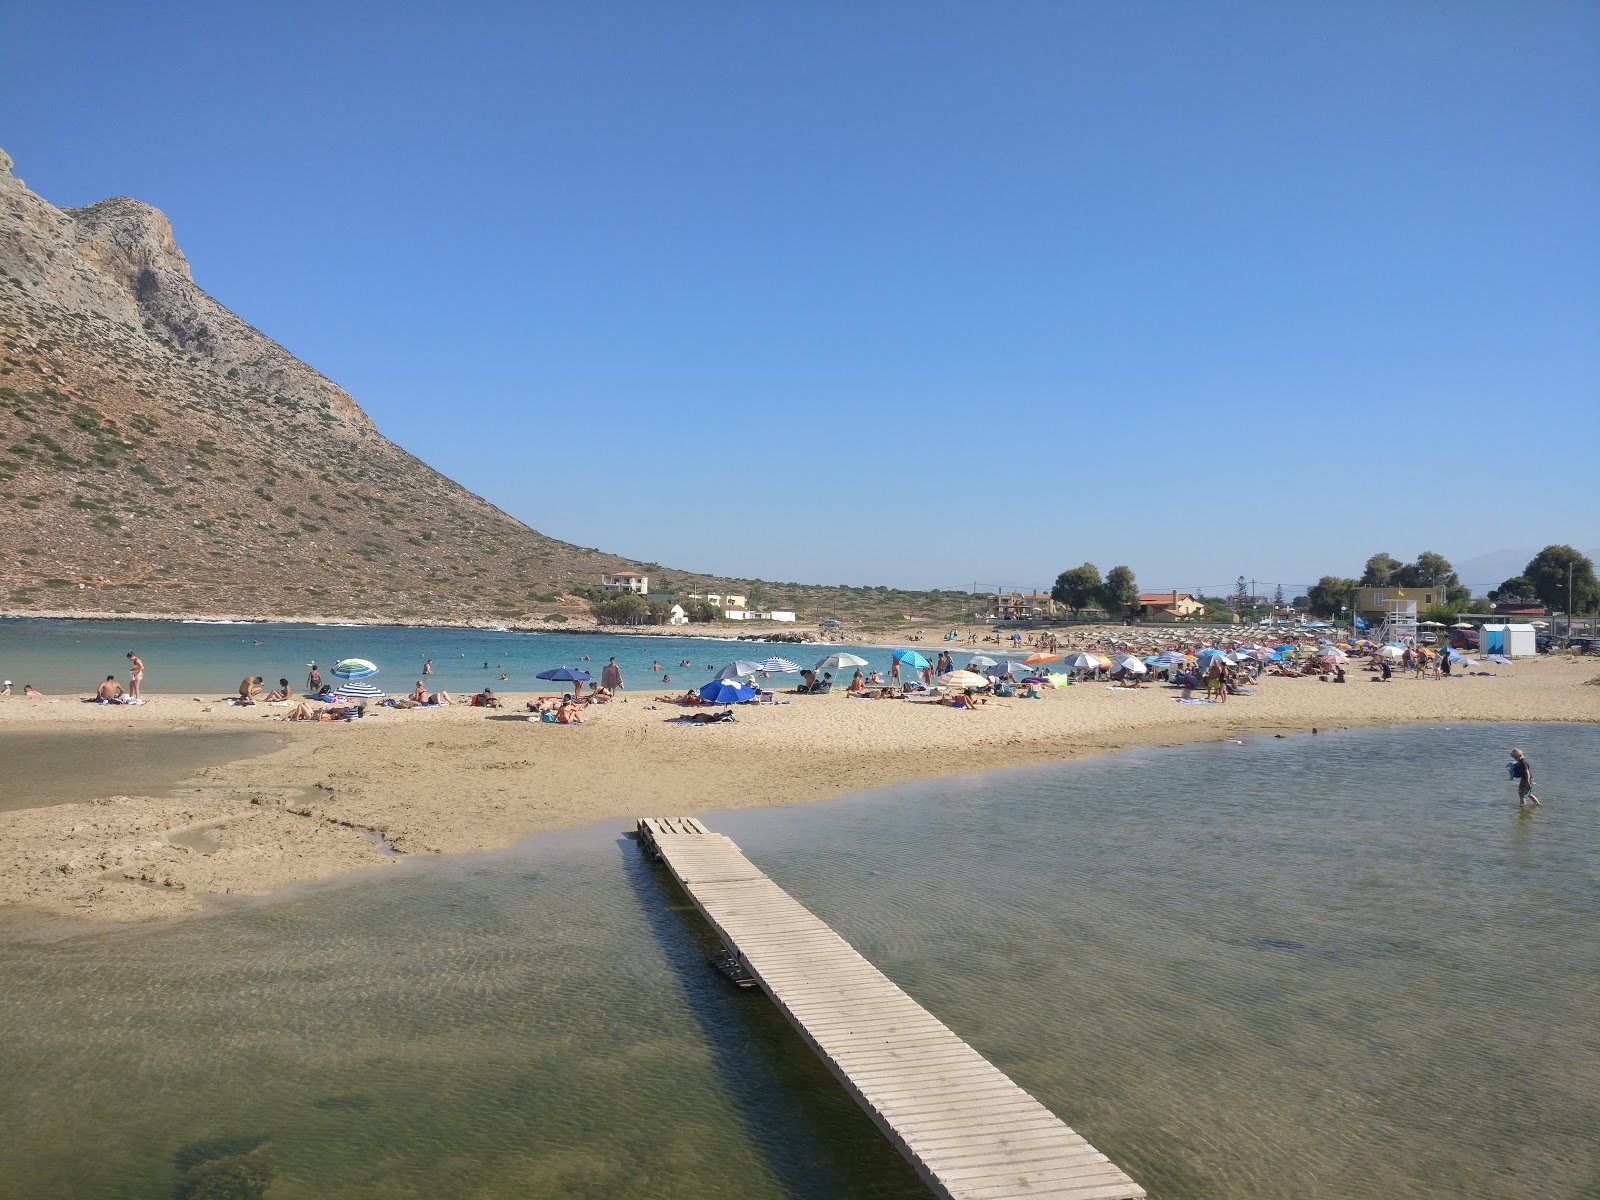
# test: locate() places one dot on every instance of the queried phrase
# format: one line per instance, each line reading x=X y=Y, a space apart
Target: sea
x=1338 y=966
x=204 y=657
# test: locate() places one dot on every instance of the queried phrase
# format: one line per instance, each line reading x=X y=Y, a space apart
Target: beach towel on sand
x=1181 y=700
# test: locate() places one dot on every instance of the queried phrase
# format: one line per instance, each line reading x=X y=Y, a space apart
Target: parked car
x=1425 y=639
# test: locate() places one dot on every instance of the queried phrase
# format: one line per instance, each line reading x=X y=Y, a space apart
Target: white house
x=744 y=614
x=676 y=615
x=627 y=581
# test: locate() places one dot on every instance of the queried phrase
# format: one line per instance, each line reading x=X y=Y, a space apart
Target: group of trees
x=629 y=608
x=1079 y=588
x=1558 y=576
x=1546 y=578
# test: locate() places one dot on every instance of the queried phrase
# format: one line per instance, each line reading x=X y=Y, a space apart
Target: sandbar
x=450 y=780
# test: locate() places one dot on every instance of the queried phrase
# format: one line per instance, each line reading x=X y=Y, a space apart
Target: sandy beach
x=363 y=796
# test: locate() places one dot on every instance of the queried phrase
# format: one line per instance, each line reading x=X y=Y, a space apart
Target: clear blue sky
x=973 y=292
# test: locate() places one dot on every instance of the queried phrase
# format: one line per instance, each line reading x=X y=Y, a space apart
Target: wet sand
x=462 y=779
x=63 y=766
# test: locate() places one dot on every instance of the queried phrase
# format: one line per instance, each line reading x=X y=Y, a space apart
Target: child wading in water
x=1522 y=771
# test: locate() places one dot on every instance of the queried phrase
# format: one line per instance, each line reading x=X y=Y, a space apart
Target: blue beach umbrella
x=1170 y=658
x=911 y=658
x=354 y=668
x=723 y=691
x=1208 y=654
x=1153 y=660
x=358 y=691
x=564 y=675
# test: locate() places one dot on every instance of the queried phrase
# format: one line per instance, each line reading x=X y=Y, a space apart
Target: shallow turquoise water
x=1341 y=966
x=74 y=656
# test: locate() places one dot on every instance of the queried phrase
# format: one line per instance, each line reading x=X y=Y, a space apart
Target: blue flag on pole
x=1360 y=624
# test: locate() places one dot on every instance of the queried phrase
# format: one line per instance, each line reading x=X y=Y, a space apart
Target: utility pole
x=1569 y=599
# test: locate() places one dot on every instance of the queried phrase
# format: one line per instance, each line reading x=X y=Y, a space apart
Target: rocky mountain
x=159 y=455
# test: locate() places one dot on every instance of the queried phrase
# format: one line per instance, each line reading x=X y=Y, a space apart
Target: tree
x=1330 y=593
x=756 y=595
x=1277 y=596
x=1549 y=572
x=1239 y=590
x=1301 y=602
x=1119 y=594
x=623 y=608
x=1077 y=587
x=1380 y=570
x=1517 y=585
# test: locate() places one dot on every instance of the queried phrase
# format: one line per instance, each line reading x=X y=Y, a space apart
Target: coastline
x=461 y=779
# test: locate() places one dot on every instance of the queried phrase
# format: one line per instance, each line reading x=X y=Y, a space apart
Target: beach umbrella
x=564 y=675
x=1006 y=666
x=354 y=668
x=725 y=691
x=911 y=658
x=1209 y=653
x=1170 y=658
x=358 y=691
x=779 y=666
x=1040 y=657
x=1284 y=648
x=1392 y=653
x=741 y=669
x=1240 y=656
x=1332 y=652
x=963 y=679
x=1465 y=661
x=1122 y=660
x=1465 y=625
x=838 y=662
x=1080 y=660
x=980 y=661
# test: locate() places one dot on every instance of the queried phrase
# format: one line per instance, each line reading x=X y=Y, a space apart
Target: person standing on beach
x=135 y=675
x=611 y=676
x=1522 y=771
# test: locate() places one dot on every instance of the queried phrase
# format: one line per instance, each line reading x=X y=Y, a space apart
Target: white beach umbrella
x=1082 y=660
x=741 y=669
x=1125 y=661
x=779 y=666
x=840 y=661
x=980 y=660
x=1393 y=653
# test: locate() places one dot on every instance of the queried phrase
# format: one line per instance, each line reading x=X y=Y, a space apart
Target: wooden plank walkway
x=971 y=1133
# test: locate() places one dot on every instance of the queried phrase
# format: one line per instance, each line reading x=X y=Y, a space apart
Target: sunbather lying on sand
x=423 y=696
x=304 y=712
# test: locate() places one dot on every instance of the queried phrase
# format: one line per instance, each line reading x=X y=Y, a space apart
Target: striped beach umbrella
x=1080 y=660
x=358 y=691
x=963 y=679
x=354 y=668
x=779 y=666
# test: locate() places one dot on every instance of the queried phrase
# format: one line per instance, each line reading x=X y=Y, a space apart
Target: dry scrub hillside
x=160 y=455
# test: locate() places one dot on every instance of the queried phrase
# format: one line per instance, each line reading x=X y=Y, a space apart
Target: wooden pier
x=970 y=1132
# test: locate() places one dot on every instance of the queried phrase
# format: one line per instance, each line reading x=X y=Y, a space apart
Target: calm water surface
x=1342 y=966
x=74 y=656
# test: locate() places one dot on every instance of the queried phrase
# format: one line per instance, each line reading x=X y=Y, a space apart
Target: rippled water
x=1342 y=966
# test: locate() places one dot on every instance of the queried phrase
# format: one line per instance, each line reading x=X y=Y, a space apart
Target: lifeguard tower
x=1399 y=622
